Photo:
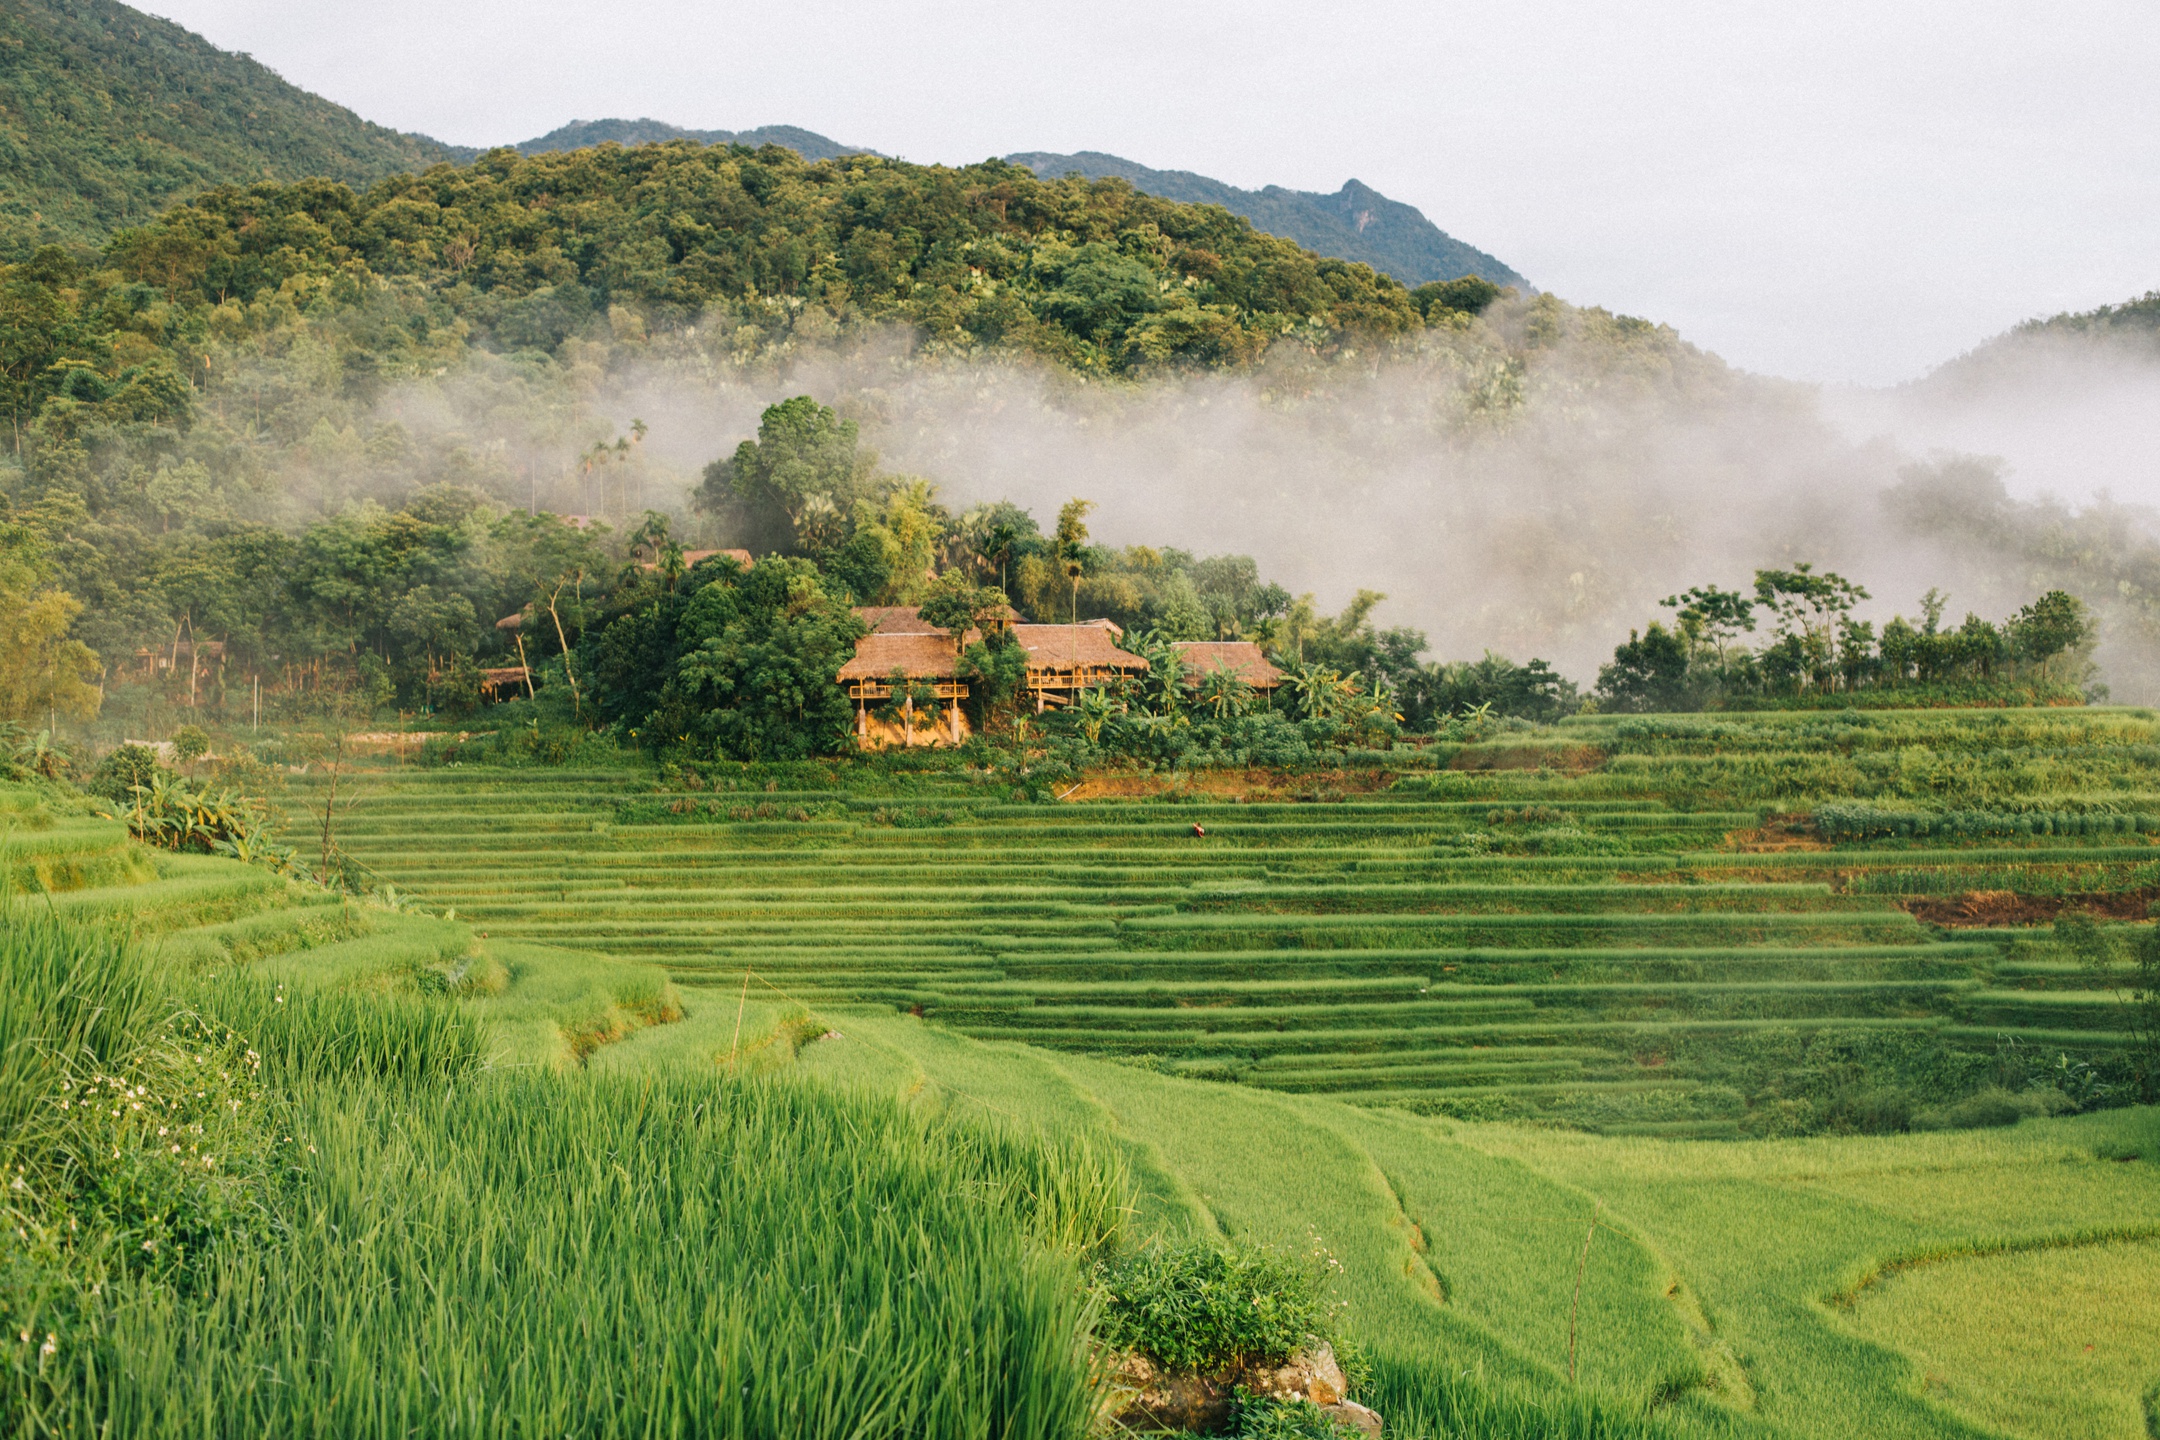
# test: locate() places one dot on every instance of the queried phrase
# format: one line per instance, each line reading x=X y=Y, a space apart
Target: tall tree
x=41 y=669
x=792 y=488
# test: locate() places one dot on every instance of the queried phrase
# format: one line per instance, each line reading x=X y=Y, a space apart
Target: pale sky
x=1833 y=190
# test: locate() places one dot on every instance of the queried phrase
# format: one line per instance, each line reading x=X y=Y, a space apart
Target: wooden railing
x=883 y=689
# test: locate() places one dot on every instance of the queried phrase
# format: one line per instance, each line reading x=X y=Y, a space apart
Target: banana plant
x=24 y=754
x=1225 y=693
x=1321 y=692
x=252 y=845
x=1095 y=709
x=176 y=814
x=1164 y=687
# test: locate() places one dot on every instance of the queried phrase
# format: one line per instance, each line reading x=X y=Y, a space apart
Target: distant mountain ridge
x=2131 y=328
x=579 y=134
x=1357 y=222
x=107 y=115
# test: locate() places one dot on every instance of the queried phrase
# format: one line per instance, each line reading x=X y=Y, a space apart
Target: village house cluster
x=906 y=657
x=907 y=653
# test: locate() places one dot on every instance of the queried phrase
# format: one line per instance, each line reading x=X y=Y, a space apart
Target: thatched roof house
x=907 y=620
x=1241 y=658
x=922 y=655
x=1089 y=646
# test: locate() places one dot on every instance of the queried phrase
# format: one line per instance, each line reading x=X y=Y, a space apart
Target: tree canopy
x=527 y=250
x=1816 y=649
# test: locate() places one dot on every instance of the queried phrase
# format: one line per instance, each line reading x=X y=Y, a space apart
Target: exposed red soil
x=2008 y=908
x=1779 y=832
x=1231 y=785
x=1574 y=759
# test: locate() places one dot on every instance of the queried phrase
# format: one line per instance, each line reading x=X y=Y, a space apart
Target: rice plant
x=378 y=1237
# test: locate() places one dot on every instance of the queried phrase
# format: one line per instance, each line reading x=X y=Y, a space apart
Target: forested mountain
x=107 y=115
x=521 y=253
x=579 y=134
x=2137 y=319
x=1357 y=222
x=2130 y=328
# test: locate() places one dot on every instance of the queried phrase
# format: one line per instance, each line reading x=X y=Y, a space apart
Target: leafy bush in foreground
x=1199 y=1307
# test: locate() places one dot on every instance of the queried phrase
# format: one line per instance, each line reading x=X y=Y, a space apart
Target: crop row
x=1349 y=948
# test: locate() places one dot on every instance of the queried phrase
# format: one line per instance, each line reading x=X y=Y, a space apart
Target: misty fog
x=1535 y=500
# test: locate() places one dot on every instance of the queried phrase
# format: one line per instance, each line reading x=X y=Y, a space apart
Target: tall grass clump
x=247 y=1208
x=308 y=1033
x=132 y=1142
x=71 y=1001
x=1436 y=1400
x=1071 y=1190
x=533 y=1253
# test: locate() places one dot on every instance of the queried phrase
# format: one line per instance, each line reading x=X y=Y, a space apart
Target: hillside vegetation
x=282 y=1162
x=107 y=115
x=2133 y=320
x=527 y=248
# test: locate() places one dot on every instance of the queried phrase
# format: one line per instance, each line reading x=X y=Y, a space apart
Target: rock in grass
x=1146 y=1396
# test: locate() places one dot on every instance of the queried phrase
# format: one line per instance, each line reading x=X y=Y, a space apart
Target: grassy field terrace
x=1603 y=941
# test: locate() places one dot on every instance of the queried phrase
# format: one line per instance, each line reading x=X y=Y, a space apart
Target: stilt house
x=1061 y=661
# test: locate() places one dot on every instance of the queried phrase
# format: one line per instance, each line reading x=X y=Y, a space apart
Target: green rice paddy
x=1281 y=1031
x=1582 y=944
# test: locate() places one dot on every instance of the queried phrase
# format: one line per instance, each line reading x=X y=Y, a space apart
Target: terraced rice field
x=1560 y=939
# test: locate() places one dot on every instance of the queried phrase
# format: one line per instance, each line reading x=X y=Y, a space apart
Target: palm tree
x=997 y=545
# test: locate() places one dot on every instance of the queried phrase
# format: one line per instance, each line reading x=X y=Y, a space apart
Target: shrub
x=1991 y=1108
x=191 y=743
x=1199 y=1307
x=121 y=772
x=1885 y=1111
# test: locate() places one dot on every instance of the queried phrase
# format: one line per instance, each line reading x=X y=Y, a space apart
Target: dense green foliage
x=1817 y=650
x=1200 y=1307
x=734 y=663
x=526 y=250
x=110 y=114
